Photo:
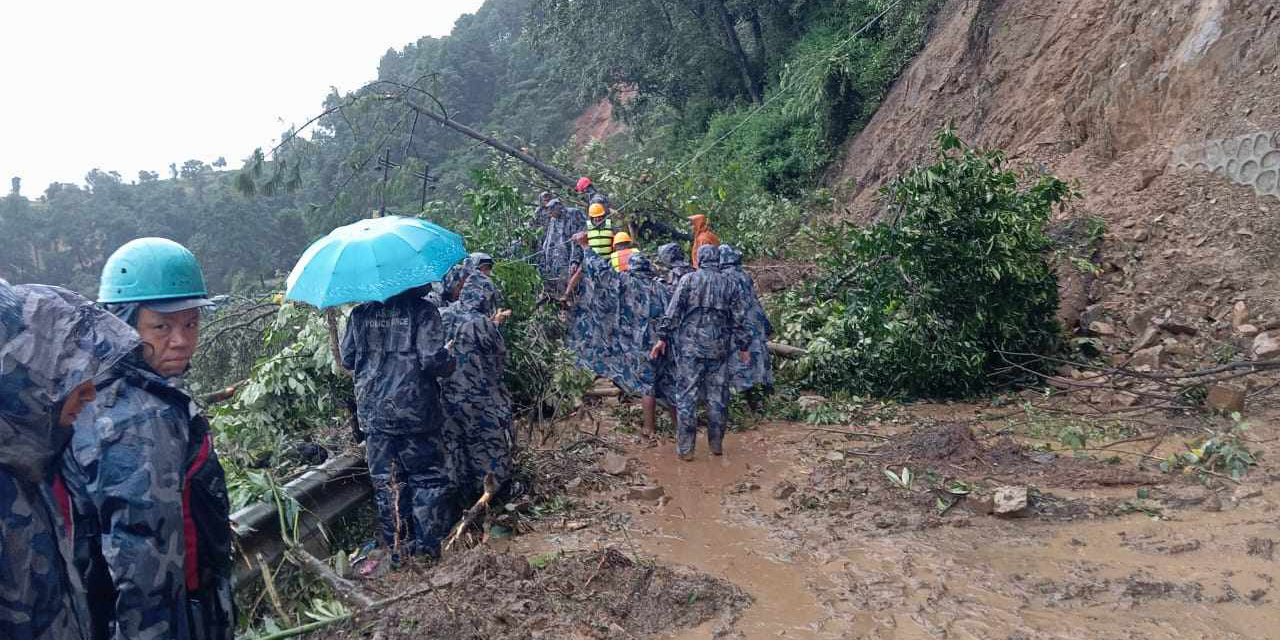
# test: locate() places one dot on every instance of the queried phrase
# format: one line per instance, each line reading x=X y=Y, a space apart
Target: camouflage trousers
x=486 y=448
x=698 y=380
x=412 y=488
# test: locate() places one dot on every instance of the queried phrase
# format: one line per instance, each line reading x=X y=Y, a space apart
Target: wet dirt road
x=1204 y=571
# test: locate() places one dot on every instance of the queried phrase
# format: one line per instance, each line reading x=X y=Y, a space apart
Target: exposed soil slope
x=1167 y=111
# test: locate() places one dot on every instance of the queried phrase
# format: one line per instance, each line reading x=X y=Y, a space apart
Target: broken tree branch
x=490 y=488
x=345 y=589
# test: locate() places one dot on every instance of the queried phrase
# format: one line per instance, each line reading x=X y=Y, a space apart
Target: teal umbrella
x=372 y=260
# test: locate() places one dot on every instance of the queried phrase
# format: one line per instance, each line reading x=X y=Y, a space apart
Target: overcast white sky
x=137 y=85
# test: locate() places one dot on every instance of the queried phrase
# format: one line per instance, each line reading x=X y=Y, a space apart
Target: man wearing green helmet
x=152 y=519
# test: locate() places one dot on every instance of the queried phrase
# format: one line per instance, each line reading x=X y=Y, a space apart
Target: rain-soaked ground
x=808 y=524
x=798 y=532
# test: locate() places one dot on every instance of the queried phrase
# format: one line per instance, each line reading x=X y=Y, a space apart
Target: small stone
x=1145 y=178
x=783 y=490
x=1150 y=357
x=1102 y=328
x=809 y=403
x=1148 y=338
x=835 y=456
x=1009 y=500
x=1178 y=328
x=646 y=492
x=574 y=485
x=1266 y=345
x=1225 y=398
x=614 y=464
x=1248 y=330
x=1140 y=321
x=1239 y=314
x=1212 y=503
x=1246 y=493
x=1141 y=235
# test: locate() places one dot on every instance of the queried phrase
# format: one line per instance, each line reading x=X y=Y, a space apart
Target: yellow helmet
x=596 y=210
x=620 y=237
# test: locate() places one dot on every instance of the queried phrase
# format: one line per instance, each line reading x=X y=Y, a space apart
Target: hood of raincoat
x=699 y=223
x=709 y=257
x=670 y=254
x=51 y=341
x=639 y=265
x=730 y=257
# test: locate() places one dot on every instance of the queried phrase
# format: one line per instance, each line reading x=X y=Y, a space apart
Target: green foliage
x=925 y=304
x=293 y=391
x=1226 y=452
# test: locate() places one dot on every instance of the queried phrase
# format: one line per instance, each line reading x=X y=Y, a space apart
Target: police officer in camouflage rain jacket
x=672 y=258
x=555 y=262
x=52 y=343
x=397 y=351
x=594 y=313
x=759 y=371
x=703 y=323
x=477 y=407
x=152 y=518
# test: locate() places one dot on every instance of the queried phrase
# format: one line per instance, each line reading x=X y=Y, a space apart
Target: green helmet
x=152 y=269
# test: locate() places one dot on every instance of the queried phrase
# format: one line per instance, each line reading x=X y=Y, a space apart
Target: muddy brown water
x=1188 y=574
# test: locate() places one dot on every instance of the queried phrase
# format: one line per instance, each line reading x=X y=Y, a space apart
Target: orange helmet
x=621 y=237
x=596 y=210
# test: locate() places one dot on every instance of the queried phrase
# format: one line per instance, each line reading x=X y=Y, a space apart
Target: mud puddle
x=1186 y=563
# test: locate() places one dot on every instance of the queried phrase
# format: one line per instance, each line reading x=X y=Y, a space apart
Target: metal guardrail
x=325 y=493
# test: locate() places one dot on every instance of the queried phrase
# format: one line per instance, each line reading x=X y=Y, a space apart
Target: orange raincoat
x=702 y=235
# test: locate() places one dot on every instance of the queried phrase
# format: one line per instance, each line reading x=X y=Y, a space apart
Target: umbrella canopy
x=372 y=260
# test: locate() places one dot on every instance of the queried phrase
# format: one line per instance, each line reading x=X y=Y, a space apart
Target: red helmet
x=583 y=183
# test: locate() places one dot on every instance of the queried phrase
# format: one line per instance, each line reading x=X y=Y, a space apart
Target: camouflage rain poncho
x=672 y=258
x=555 y=262
x=758 y=372
x=703 y=323
x=51 y=341
x=593 y=318
x=477 y=407
x=643 y=302
x=153 y=534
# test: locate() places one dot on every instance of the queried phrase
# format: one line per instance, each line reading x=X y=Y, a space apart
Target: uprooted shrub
x=935 y=300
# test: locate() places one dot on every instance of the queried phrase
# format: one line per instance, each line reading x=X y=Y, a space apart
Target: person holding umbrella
x=395 y=346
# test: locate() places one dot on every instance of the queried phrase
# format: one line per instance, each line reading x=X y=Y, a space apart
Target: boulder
x=1150 y=357
x=1225 y=398
x=809 y=403
x=1239 y=314
x=1008 y=501
x=1247 y=330
x=614 y=464
x=1149 y=336
x=1266 y=346
x=1102 y=328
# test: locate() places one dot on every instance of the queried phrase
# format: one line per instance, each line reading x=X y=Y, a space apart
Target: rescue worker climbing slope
x=759 y=371
x=397 y=351
x=52 y=343
x=556 y=260
x=593 y=314
x=152 y=519
x=477 y=406
x=703 y=323
x=643 y=302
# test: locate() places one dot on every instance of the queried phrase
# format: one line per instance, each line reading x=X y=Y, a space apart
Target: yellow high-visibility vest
x=600 y=238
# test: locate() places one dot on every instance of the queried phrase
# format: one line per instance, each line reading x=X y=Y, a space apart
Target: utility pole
x=386 y=164
x=428 y=182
